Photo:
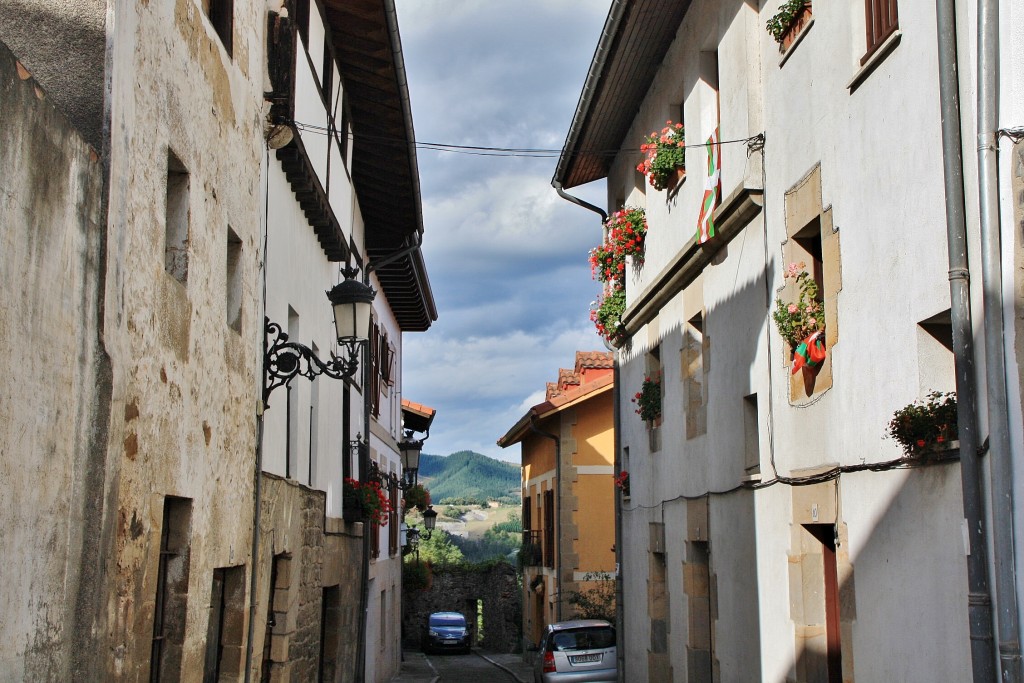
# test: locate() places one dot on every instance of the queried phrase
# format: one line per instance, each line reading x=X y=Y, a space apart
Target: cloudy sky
x=507 y=257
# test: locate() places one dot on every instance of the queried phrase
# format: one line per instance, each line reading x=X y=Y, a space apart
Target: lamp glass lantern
x=429 y=519
x=410 y=458
x=353 y=303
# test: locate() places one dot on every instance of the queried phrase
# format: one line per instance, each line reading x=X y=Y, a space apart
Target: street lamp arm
x=283 y=360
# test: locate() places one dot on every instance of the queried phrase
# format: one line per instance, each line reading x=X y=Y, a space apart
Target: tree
x=597 y=601
x=439 y=549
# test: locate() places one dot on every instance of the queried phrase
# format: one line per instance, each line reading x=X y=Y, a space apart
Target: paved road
x=469 y=668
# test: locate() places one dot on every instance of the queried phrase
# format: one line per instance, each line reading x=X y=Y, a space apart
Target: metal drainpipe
x=576 y=200
x=1000 y=462
x=258 y=470
x=558 y=512
x=979 y=599
x=617 y=445
x=364 y=466
x=616 y=426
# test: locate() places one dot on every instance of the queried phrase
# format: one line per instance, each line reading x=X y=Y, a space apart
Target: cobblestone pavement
x=471 y=668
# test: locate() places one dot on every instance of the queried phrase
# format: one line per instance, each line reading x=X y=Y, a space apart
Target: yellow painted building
x=567 y=446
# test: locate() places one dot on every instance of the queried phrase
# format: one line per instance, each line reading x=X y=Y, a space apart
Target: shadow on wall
x=902 y=591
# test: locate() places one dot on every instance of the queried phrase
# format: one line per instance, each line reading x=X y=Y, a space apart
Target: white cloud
x=506 y=256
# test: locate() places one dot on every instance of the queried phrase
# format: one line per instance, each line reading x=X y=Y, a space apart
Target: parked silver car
x=580 y=651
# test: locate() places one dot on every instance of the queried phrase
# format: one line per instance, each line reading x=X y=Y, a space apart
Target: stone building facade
x=142 y=257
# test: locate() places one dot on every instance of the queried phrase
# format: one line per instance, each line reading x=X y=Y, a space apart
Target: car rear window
x=449 y=622
x=583 y=639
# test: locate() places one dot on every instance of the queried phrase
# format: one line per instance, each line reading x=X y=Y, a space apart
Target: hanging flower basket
x=625 y=232
x=926 y=425
x=664 y=161
x=648 y=399
x=417 y=497
x=365 y=501
x=606 y=314
x=786 y=24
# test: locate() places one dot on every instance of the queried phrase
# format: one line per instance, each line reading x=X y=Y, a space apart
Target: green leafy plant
x=606 y=314
x=369 y=498
x=417 y=497
x=415 y=574
x=596 y=601
x=925 y=424
x=664 y=152
x=798 y=320
x=648 y=399
x=784 y=18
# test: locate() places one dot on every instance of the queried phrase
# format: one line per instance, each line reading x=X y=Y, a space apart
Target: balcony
x=531 y=552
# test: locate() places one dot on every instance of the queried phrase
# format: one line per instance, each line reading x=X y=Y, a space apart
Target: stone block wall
x=457 y=589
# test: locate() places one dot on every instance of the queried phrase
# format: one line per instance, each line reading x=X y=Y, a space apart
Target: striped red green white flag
x=712 y=192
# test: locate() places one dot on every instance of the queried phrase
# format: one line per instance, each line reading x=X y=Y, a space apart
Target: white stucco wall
x=881 y=171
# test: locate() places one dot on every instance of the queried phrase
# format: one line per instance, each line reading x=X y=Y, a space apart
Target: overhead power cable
x=479 y=150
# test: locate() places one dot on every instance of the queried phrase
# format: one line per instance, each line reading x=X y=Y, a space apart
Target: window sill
x=796 y=41
x=880 y=54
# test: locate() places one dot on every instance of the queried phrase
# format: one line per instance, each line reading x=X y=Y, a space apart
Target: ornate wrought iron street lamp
x=284 y=359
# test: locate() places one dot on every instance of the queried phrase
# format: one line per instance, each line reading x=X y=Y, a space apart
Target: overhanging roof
x=384 y=167
x=636 y=36
x=555 y=405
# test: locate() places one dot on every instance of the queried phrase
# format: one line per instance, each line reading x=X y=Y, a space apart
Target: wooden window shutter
x=881 y=19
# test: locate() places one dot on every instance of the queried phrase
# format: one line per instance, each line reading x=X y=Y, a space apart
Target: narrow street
x=471 y=668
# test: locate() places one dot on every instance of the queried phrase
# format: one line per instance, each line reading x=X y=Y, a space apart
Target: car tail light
x=549 y=662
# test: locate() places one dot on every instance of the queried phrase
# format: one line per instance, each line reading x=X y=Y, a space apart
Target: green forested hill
x=469 y=477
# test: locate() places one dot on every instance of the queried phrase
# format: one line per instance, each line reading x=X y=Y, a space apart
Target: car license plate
x=584 y=659
x=450 y=642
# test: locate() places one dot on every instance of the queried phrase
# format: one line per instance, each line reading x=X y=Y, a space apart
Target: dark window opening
x=302 y=20
x=549 y=528
x=222 y=16
x=171 y=605
x=176 y=219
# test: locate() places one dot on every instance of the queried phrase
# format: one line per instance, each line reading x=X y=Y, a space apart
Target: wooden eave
x=637 y=34
x=384 y=169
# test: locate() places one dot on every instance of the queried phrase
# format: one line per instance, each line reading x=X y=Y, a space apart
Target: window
x=222 y=16
x=327 y=74
x=393 y=522
x=171 y=605
x=935 y=366
x=176 y=219
x=277 y=616
x=330 y=633
x=527 y=511
x=881 y=21
x=302 y=19
x=233 y=281
x=695 y=368
x=225 y=634
x=751 y=435
x=700 y=645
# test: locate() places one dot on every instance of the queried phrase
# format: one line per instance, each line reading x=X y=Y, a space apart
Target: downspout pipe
x=979 y=601
x=1000 y=461
x=558 y=511
x=620 y=610
x=364 y=465
x=576 y=200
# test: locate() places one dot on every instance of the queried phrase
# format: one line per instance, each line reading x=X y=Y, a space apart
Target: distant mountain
x=469 y=477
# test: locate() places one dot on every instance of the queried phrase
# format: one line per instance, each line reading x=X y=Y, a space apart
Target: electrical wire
x=478 y=150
